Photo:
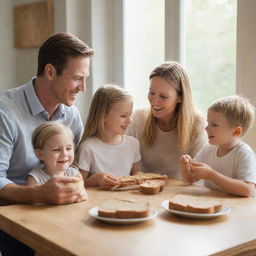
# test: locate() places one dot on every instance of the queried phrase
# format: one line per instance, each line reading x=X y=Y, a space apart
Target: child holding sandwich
x=53 y=145
x=227 y=163
x=105 y=152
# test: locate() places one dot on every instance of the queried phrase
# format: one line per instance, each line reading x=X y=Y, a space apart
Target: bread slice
x=152 y=187
x=140 y=177
x=126 y=209
x=195 y=204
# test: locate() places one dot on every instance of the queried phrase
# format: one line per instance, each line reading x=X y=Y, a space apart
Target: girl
x=171 y=126
x=105 y=152
x=53 y=144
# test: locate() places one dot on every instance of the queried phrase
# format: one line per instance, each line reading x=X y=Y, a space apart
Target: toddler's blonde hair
x=46 y=130
x=237 y=110
x=103 y=100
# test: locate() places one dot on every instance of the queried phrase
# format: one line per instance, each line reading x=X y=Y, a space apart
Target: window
x=143 y=45
x=210 y=49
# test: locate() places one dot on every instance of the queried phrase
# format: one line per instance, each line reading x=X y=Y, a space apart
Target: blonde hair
x=237 y=110
x=103 y=100
x=186 y=118
x=46 y=130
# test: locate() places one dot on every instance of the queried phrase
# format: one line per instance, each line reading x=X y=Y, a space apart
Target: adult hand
x=108 y=181
x=56 y=191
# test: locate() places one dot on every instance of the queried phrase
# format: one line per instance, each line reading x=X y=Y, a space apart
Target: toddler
x=227 y=163
x=53 y=145
x=105 y=151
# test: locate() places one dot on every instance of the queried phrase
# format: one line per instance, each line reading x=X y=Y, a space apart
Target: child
x=105 y=152
x=227 y=163
x=53 y=145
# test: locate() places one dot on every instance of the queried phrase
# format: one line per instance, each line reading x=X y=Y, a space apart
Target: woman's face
x=163 y=98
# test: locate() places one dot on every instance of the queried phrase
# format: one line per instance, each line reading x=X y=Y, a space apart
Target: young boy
x=227 y=163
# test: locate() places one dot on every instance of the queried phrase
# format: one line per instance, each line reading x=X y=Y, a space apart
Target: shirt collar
x=35 y=105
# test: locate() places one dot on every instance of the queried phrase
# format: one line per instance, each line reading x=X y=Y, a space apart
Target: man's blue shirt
x=20 y=113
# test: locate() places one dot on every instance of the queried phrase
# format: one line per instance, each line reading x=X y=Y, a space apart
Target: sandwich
x=77 y=184
x=125 y=209
x=152 y=186
x=140 y=177
x=195 y=204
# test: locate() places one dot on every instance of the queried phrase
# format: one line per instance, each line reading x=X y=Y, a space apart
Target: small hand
x=200 y=170
x=185 y=160
x=185 y=171
x=108 y=181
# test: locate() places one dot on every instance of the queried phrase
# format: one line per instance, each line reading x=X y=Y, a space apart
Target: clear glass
x=210 y=49
x=143 y=45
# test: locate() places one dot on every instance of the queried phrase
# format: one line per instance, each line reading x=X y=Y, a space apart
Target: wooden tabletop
x=70 y=230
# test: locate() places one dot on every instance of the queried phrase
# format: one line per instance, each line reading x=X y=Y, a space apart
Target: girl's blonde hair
x=103 y=100
x=186 y=118
x=237 y=110
x=46 y=130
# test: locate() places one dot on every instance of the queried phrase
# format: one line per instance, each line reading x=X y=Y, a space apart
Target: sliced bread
x=140 y=177
x=152 y=187
x=118 y=208
x=196 y=204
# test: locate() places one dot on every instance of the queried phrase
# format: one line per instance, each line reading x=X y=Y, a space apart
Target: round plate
x=94 y=213
x=225 y=210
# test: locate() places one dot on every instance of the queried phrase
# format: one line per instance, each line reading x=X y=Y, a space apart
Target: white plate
x=225 y=210
x=94 y=213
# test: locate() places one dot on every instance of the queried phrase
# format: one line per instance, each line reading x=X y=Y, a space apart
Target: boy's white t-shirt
x=96 y=156
x=239 y=163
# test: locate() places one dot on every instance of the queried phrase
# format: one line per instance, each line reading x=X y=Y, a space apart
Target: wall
x=246 y=56
x=25 y=58
x=7 y=59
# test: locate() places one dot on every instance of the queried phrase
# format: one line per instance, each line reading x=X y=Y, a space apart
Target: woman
x=171 y=126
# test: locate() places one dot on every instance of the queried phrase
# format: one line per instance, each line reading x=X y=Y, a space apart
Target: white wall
x=7 y=55
x=246 y=56
x=25 y=58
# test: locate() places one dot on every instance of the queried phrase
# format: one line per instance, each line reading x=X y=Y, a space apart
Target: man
x=63 y=67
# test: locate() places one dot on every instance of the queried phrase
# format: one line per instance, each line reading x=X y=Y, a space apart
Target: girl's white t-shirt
x=96 y=156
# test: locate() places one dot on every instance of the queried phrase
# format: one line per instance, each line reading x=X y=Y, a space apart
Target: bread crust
x=124 y=209
x=195 y=204
x=138 y=178
x=152 y=187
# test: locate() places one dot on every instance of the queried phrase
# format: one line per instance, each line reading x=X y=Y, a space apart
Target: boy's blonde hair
x=46 y=130
x=103 y=100
x=186 y=118
x=237 y=110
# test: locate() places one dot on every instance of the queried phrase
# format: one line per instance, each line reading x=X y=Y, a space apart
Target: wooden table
x=70 y=230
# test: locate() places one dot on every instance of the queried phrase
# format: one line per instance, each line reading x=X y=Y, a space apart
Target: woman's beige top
x=163 y=156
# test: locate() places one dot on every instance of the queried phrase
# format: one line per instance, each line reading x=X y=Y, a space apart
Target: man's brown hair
x=58 y=49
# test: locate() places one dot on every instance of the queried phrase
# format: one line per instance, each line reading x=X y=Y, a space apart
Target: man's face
x=72 y=80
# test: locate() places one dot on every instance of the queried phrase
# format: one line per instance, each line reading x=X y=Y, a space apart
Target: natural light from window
x=210 y=49
x=143 y=45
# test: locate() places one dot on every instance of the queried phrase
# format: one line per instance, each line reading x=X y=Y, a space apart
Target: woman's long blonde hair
x=186 y=118
x=103 y=100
